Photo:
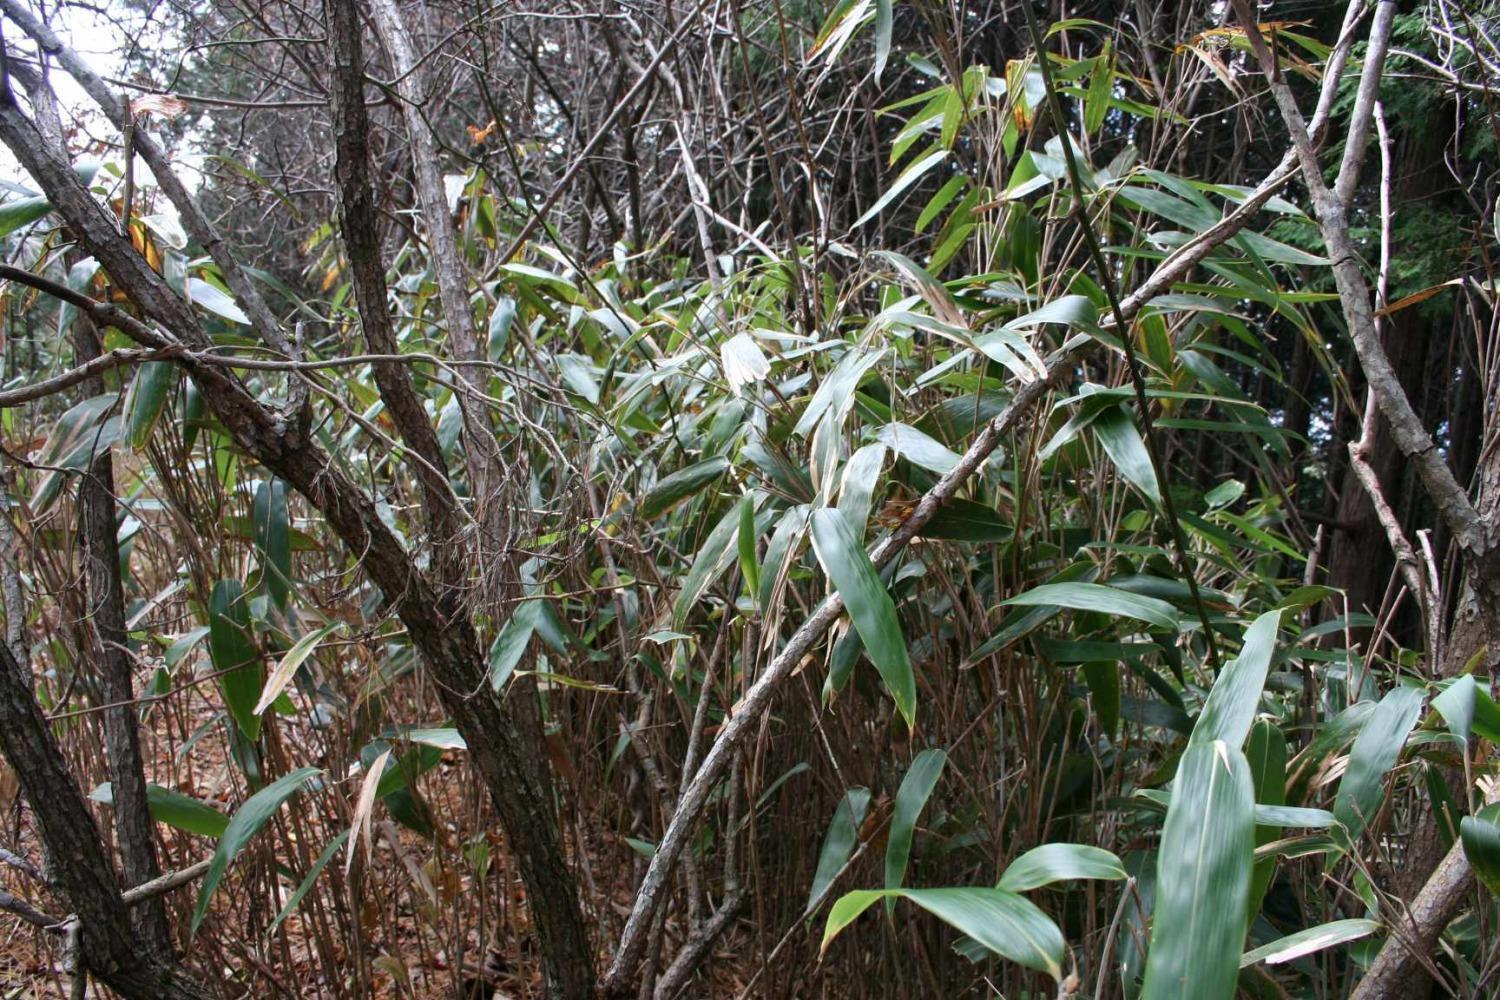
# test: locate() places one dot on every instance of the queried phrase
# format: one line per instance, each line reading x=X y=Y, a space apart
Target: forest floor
x=407 y=908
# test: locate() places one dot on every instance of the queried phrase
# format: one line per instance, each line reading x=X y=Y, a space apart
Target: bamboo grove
x=749 y=498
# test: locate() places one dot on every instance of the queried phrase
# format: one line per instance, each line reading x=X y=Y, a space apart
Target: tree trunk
x=108 y=948
x=1360 y=561
x=105 y=627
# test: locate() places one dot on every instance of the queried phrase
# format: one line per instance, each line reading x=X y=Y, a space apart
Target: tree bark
x=1359 y=561
x=105 y=598
x=109 y=950
x=505 y=740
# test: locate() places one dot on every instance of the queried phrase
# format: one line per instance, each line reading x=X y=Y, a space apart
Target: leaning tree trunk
x=506 y=750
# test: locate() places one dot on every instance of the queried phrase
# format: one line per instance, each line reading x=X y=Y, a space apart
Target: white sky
x=103 y=43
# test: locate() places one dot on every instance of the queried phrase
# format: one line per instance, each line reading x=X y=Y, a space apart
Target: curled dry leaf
x=165 y=105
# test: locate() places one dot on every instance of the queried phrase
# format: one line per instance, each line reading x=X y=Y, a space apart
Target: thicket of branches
x=589 y=499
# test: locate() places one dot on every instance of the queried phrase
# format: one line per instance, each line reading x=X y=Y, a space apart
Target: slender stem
x=1122 y=330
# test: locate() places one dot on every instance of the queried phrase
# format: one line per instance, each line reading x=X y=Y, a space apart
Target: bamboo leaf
x=921 y=778
x=843 y=558
x=1060 y=862
x=837 y=391
x=146 y=400
x=672 y=490
x=883 y=21
x=1480 y=834
x=169 y=806
x=1231 y=705
x=244 y=825
x=273 y=542
x=839 y=842
x=20 y=212
x=1122 y=441
x=857 y=488
x=1456 y=705
x=234 y=655
x=715 y=555
x=1203 y=876
x=1101 y=598
x=512 y=641
x=749 y=565
x=216 y=301
x=295 y=899
x=918 y=448
x=287 y=668
x=906 y=179
x=1374 y=753
x=1313 y=939
x=1002 y=921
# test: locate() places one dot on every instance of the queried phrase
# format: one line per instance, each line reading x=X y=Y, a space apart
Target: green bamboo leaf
x=845 y=910
x=839 y=842
x=1231 y=705
x=1116 y=431
x=82 y=434
x=932 y=291
x=963 y=520
x=1022 y=622
x=1076 y=311
x=1101 y=87
x=1266 y=753
x=837 y=391
x=846 y=653
x=244 y=825
x=1060 y=862
x=921 y=778
x=512 y=641
x=1103 y=680
x=169 y=806
x=883 y=22
x=1002 y=921
x=780 y=550
x=1203 y=876
x=918 y=448
x=147 y=399
x=1101 y=598
x=1313 y=939
x=1275 y=817
x=1480 y=834
x=844 y=559
x=273 y=540
x=715 y=555
x=749 y=565
x=295 y=899
x=1486 y=716
x=216 y=301
x=80 y=277
x=1456 y=705
x=183 y=645
x=857 y=489
x=672 y=490
x=235 y=657
x=940 y=201
x=1374 y=753
x=20 y=212
x=445 y=738
x=403 y=770
x=906 y=179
